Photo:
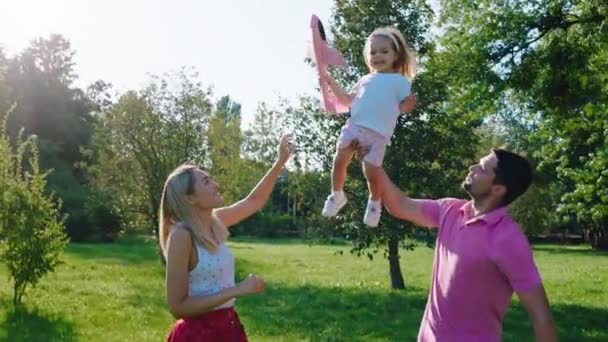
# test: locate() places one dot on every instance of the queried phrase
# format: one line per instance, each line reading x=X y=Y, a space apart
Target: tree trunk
x=15 y=294
x=598 y=238
x=154 y=218
x=393 y=260
x=18 y=290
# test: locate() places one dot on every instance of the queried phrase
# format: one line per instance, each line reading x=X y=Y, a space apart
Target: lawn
x=115 y=293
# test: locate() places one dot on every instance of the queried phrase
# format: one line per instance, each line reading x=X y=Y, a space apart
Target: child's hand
x=407 y=105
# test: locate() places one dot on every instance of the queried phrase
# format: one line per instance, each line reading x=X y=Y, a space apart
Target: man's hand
x=360 y=151
x=536 y=303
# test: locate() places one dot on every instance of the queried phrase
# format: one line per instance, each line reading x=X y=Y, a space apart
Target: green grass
x=115 y=293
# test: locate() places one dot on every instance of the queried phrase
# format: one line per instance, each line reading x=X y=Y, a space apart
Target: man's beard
x=467 y=187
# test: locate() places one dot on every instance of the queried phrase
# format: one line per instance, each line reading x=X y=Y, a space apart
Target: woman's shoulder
x=180 y=235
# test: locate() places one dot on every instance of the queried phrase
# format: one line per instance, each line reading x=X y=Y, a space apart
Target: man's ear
x=499 y=190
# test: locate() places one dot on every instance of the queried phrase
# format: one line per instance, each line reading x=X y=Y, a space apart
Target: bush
x=95 y=220
x=30 y=221
x=268 y=225
x=105 y=220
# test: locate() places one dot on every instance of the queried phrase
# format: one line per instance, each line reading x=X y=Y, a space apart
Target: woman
x=200 y=267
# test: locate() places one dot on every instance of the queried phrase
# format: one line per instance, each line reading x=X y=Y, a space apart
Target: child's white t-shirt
x=377 y=99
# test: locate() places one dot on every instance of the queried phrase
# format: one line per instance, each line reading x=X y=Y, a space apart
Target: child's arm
x=340 y=93
x=407 y=105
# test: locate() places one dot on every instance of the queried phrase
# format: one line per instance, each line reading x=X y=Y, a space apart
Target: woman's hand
x=286 y=148
x=251 y=285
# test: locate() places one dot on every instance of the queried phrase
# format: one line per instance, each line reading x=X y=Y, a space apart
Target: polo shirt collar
x=489 y=218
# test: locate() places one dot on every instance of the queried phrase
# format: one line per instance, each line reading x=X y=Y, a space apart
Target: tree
x=263 y=136
x=535 y=209
x=431 y=146
x=30 y=221
x=4 y=90
x=40 y=83
x=314 y=129
x=225 y=141
x=315 y=132
x=144 y=136
x=548 y=60
x=41 y=80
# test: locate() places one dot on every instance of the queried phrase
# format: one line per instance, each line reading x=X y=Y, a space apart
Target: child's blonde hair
x=176 y=209
x=406 y=59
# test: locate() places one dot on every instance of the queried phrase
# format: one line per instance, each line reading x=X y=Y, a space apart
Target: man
x=481 y=254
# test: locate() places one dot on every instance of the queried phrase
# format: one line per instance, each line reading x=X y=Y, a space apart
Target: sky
x=252 y=50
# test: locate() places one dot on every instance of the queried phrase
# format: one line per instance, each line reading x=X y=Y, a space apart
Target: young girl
x=376 y=102
x=200 y=267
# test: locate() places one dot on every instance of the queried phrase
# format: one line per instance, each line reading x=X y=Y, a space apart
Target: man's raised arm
x=401 y=206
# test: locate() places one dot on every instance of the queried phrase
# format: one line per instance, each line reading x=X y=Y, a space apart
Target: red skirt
x=222 y=325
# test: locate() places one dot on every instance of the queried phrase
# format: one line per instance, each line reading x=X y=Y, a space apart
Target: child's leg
x=336 y=200
x=373 y=211
x=371 y=174
x=372 y=166
x=342 y=159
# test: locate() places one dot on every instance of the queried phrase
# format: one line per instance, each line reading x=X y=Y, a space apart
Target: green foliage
x=40 y=84
x=225 y=142
x=142 y=137
x=39 y=81
x=299 y=192
x=316 y=133
x=31 y=226
x=262 y=138
x=268 y=224
x=429 y=151
x=105 y=217
x=4 y=90
x=535 y=210
x=542 y=64
x=588 y=201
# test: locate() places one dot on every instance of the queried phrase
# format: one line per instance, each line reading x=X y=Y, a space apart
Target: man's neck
x=481 y=206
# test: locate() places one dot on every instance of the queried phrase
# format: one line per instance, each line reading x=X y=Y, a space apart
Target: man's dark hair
x=514 y=172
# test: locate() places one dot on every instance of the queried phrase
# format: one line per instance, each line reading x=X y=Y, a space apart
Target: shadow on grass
x=569 y=250
x=323 y=313
x=317 y=313
x=360 y=314
x=574 y=323
x=24 y=324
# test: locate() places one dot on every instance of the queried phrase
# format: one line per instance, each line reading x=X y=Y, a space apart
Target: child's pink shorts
x=368 y=139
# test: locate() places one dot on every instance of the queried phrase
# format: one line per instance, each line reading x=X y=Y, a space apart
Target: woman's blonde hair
x=176 y=209
x=406 y=59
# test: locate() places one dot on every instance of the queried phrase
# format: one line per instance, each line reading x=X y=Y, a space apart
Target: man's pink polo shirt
x=479 y=262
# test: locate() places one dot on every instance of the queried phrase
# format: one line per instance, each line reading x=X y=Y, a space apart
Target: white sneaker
x=372 y=214
x=333 y=204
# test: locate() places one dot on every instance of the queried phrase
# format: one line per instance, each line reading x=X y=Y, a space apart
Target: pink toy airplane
x=324 y=57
